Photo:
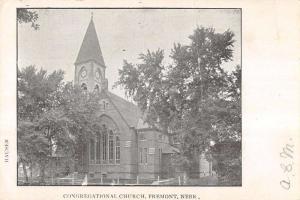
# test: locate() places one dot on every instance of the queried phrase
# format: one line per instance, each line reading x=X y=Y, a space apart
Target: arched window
x=104 y=144
x=107 y=143
x=83 y=86
x=111 y=146
x=96 y=88
x=92 y=150
x=118 y=150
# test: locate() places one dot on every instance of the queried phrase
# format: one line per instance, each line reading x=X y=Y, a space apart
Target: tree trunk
x=25 y=171
x=30 y=167
x=42 y=172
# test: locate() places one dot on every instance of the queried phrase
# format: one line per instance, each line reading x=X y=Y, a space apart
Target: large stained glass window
x=105 y=148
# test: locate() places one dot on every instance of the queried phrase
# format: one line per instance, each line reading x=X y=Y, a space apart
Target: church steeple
x=89 y=65
x=90 y=48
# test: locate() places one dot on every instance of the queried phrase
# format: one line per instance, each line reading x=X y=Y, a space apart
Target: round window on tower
x=83 y=72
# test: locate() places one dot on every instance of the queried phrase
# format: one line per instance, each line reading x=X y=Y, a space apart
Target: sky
x=122 y=33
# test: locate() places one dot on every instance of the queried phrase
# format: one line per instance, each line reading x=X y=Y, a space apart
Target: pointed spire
x=90 y=47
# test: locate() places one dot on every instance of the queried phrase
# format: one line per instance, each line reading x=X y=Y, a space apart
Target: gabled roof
x=90 y=47
x=130 y=112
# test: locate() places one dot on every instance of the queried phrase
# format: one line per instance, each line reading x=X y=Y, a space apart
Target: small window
x=141 y=155
x=83 y=86
x=176 y=139
x=96 y=88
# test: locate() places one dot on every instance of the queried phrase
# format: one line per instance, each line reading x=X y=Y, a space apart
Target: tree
x=192 y=99
x=53 y=118
x=228 y=156
x=35 y=97
x=28 y=16
x=80 y=108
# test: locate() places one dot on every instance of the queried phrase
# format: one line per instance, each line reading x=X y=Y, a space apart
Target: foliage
x=192 y=99
x=228 y=155
x=28 y=16
x=54 y=118
x=35 y=94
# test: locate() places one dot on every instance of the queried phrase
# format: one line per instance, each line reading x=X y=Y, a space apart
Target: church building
x=125 y=147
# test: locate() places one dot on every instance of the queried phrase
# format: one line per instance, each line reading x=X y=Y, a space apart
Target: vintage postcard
x=148 y=100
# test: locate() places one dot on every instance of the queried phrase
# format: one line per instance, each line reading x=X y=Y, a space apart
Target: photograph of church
x=123 y=147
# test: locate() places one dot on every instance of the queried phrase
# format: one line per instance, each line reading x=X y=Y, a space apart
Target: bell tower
x=89 y=65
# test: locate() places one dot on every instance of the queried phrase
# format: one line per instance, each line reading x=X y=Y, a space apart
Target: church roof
x=130 y=112
x=90 y=47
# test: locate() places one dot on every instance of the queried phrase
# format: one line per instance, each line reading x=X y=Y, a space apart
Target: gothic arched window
x=105 y=148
